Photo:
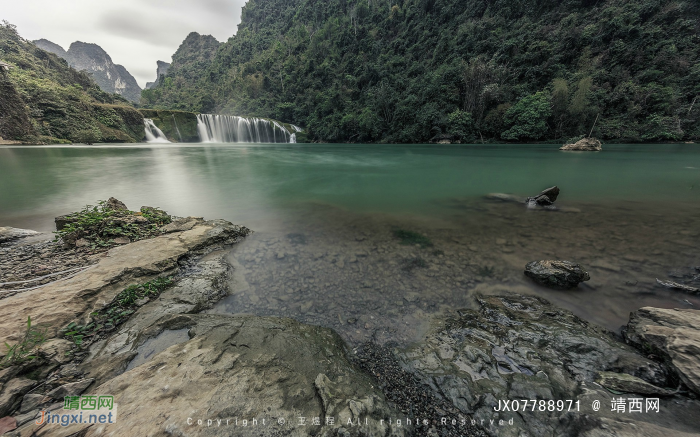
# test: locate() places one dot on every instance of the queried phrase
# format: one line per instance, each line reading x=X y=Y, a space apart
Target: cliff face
x=14 y=119
x=161 y=70
x=44 y=100
x=110 y=77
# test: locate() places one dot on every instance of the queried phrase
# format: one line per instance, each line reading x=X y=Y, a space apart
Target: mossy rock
x=178 y=126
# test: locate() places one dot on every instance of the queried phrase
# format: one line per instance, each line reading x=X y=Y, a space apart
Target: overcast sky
x=135 y=33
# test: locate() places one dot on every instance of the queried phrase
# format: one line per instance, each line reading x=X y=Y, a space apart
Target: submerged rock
x=8 y=234
x=673 y=334
x=503 y=197
x=677 y=286
x=630 y=384
x=556 y=274
x=584 y=144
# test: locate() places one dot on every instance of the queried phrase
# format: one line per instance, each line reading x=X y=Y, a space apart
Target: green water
x=325 y=217
x=257 y=184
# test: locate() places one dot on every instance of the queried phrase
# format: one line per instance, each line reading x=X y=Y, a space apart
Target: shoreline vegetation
x=141 y=300
x=472 y=74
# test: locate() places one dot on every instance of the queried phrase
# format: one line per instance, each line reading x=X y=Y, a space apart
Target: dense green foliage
x=107 y=319
x=399 y=71
x=42 y=99
x=179 y=126
x=100 y=225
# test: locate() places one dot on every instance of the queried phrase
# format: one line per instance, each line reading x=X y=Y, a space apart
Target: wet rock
x=673 y=334
x=677 y=286
x=584 y=144
x=56 y=350
x=12 y=393
x=243 y=366
x=630 y=384
x=71 y=389
x=7 y=424
x=556 y=274
x=522 y=347
x=8 y=234
x=57 y=304
x=505 y=197
x=24 y=418
x=180 y=225
x=545 y=199
x=32 y=402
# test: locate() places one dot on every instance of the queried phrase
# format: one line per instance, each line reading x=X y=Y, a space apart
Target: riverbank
x=188 y=365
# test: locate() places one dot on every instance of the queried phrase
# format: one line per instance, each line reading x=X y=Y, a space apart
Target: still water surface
x=324 y=217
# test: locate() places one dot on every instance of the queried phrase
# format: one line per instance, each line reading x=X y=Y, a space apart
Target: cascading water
x=293 y=137
x=153 y=134
x=214 y=128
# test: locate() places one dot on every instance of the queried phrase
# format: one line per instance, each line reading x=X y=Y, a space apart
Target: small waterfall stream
x=153 y=134
x=214 y=128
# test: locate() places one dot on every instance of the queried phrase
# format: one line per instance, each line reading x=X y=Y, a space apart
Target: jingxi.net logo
x=82 y=410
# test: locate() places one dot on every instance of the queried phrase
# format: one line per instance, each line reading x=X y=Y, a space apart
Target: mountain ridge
x=90 y=57
x=44 y=100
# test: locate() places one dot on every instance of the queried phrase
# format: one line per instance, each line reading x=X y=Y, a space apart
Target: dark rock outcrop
x=556 y=274
x=545 y=199
x=161 y=70
x=523 y=349
x=674 y=335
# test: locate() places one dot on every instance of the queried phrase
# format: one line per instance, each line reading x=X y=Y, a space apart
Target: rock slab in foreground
x=556 y=274
x=245 y=367
x=523 y=348
x=585 y=144
x=674 y=334
x=55 y=305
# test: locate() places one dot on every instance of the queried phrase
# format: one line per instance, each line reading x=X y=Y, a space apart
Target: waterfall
x=214 y=128
x=153 y=134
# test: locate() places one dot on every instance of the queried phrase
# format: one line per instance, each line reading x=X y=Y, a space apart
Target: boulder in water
x=556 y=274
x=584 y=144
x=545 y=199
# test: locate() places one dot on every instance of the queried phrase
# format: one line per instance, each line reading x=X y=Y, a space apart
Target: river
x=326 y=219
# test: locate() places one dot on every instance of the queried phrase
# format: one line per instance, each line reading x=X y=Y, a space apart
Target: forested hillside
x=42 y=99
x=412 y=70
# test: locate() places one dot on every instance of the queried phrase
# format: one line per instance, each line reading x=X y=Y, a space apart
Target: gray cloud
x=135 y=33
x=131 y=24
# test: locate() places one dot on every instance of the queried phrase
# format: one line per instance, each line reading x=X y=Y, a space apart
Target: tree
x=528 y=118
x=560 y=101
x=460 y=124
